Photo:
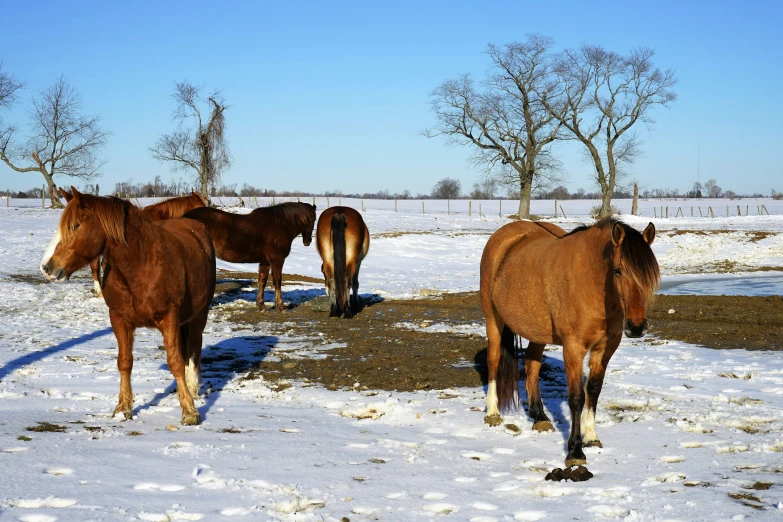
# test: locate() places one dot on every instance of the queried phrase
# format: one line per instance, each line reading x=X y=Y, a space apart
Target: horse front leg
x=124 y=334
x=599 y=360
x=170 y=329
x=277 y=281
x=263 y=275
x=534 y=355
x=95 y=268
x=573 y=357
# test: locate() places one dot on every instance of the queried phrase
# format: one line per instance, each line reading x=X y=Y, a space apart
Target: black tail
x=508 y=373
x=340 y=304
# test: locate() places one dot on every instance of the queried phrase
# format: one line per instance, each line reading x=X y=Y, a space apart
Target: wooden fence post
x=501 y=209
x=448 y=207
x=422 y=206
x=43 y=189
x=563 y=212
x=555 y=209
x=470 y=208
x=395 y=205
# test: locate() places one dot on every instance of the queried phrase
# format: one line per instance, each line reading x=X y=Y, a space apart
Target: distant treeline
x=158 y=189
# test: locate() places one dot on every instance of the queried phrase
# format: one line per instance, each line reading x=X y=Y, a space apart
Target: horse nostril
x=46 y=269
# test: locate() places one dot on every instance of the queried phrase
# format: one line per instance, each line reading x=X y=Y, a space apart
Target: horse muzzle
x=53 y=274
x=636 y=330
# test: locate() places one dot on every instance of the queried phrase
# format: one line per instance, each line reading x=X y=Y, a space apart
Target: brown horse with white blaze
x=342 y=240
x=157 y=274
x=263 y=236
x=580 y=290
x=167 y=209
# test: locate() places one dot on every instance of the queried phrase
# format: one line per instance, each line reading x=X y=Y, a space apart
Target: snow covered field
x=687 y=430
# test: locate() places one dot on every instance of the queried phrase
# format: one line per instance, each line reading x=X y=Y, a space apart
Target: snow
x=684 y=427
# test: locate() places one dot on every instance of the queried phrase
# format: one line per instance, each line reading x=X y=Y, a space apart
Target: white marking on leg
x=192 y=378
x=97 y=287
x=492 y=399
x=587 y=425
x=50 y=252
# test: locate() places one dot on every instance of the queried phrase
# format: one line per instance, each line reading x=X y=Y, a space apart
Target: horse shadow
x=220 y=364
x=236 y=291
x=552 y=379
x=30 y=358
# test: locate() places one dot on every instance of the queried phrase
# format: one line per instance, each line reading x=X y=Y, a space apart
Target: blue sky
x=333 y=95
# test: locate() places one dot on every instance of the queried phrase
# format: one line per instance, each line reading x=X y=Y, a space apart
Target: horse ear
x=618 y=234
x=649 y=234
x=66 y=194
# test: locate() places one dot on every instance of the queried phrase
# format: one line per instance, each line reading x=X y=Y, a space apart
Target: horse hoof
x=543 y=426
x=493 y=420
x=191 y=419
x=592 y=444
x=575 y=461
x=126 y=412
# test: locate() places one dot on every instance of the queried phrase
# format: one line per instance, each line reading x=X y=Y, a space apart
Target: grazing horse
x=343 y=240
x=263 y=236
x=168 y=209
x=157 y=274
x=580 y=290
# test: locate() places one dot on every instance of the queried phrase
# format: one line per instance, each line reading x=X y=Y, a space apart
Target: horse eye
x=617 y=272
x=75 y=227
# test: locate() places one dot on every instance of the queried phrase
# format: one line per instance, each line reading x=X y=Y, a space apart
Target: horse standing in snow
x=168 y=209
x=263 y=236
x=580 y=290
x=342 y=240
x=157 y=274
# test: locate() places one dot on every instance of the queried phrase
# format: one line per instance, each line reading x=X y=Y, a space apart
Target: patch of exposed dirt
x=753 y=323
x=379 y=355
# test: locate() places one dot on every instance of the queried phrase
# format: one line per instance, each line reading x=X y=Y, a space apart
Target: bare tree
x=62 y=140
x=447 y=188
x=200 y=141
x=506 y=121
x=712 y=189
x=602 y=96
x=9 y=86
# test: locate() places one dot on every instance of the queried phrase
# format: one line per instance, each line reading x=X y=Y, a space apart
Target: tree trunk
x=525 y=188
x=606 y=202
x=54 y=194
x=635 y=204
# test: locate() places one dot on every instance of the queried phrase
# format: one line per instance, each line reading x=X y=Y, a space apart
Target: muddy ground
x=378 y=355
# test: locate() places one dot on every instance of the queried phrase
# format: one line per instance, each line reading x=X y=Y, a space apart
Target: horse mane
x=301 y=214
x=110 y=212
x=640 y=262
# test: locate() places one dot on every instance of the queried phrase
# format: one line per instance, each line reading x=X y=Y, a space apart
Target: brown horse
x=263 y=236
x=168 y=209
x=343 y=240
x=159 y=275
x=580 y=290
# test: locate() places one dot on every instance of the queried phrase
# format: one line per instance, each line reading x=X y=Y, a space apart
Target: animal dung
x=578 y=474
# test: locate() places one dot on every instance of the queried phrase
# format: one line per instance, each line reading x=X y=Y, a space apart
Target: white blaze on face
x=492 y=399
x=50 y=252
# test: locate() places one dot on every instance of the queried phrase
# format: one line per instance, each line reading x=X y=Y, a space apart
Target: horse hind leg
x=534 y=354
x=192 y=356
x=355 y=305
x=502 y=371
x=95 y=268
x=174 y=357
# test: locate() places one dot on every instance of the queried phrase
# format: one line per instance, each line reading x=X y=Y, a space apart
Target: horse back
x=511 y=277
x=237 y=238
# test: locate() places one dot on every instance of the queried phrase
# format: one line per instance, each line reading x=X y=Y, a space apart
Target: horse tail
x=339 y=259
x=508 y=372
